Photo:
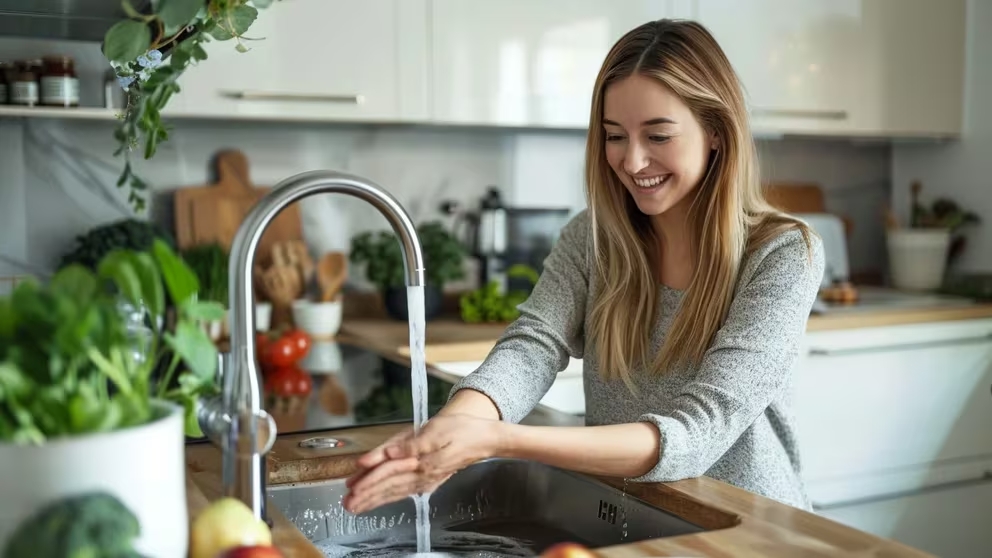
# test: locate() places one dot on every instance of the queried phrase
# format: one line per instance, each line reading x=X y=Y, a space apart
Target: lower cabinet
x=893 y=424
x=950 y=521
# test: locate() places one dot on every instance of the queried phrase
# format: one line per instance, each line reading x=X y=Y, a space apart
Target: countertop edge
x=739 y=522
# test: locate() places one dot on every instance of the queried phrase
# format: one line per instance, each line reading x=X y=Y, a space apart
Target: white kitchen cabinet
x=525 y=62
x=887 y=68
x=914 y=68
x=317 y=60
x=893 y=428
x=950 y=522
x=874 y=402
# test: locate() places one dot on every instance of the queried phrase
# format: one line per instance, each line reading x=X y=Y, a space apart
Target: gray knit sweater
x=729 y=419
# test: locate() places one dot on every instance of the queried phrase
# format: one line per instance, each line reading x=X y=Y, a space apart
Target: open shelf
x=84 y=113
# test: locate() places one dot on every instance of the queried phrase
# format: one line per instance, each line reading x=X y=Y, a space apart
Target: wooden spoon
x=332 y=271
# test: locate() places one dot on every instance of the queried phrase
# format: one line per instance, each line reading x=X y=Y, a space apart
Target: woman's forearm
x=621 y=450
x=471 y=402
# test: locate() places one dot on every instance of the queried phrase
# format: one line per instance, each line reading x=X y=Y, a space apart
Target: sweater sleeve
x=749 y=362
x=522 y=365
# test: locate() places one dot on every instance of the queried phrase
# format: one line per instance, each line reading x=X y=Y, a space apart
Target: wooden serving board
x=448 y=339
x=213 y=213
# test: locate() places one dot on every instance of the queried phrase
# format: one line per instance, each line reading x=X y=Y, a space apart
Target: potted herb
x=381 y=252
x=920 y=254
x=210 y=264
x=95 y=397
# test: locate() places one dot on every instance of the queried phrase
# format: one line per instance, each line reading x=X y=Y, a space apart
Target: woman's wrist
x=471 y=402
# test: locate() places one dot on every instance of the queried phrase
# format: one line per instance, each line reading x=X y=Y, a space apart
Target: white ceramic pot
x=918 y=258
x=263 y=316
x=321 y=320
x=143 y=466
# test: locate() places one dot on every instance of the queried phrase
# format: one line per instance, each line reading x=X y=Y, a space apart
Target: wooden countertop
x=740 y=523
x=451 y=340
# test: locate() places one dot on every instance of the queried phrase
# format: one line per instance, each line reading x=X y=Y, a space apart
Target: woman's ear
x=714 y=142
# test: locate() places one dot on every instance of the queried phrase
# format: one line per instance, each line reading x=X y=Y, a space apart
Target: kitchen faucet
x=233 y=419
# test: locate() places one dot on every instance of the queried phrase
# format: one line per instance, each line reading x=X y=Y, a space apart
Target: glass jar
x=23 y=89
x=4 y=83
x=59 y=84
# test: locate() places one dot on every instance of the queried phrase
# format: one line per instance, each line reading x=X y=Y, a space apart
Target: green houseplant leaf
x=177 y=13
x=126 y=40
x=149 y=53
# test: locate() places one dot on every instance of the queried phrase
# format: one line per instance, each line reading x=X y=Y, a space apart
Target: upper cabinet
x=527 y=62
x=317 y=60
x=859 y=68
x=850 y=67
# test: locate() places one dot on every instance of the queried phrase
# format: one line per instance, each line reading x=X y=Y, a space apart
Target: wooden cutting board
x=796 y=197
x=213 y=213
x=448 y=339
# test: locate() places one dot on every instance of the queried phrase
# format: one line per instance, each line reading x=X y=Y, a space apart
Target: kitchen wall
x=961 y=170
x=57 y=176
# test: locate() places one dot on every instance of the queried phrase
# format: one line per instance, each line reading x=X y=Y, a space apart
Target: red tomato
x=288 y=381
x=282 y=352
x=301 y=340
x=262 y=347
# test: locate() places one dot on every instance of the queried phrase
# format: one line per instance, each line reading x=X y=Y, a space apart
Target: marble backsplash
x=58 y=176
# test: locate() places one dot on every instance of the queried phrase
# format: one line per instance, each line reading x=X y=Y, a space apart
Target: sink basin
x=497 y=507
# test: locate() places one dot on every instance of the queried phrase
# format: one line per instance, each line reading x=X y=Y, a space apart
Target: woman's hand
x=406 y=464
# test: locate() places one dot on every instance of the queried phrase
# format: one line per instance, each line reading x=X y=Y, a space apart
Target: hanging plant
x=149 y=52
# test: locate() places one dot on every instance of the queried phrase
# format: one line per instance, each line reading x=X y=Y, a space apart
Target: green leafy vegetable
x=96 y=243
x=89 y=525
x=210 y=264
x=80 y=353
x=487 y=304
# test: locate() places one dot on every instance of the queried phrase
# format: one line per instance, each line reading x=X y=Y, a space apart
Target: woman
x=683 y=291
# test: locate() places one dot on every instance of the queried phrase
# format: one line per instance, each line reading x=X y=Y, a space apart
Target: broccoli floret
x=90 y=525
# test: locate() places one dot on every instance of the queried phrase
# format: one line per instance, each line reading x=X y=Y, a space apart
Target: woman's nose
x=636 y=159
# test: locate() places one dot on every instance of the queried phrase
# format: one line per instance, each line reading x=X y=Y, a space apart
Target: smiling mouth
x=652 y=182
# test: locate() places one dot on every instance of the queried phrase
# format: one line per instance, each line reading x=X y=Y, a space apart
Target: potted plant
x=94 y=403
x=381 y=252
x=920 y=254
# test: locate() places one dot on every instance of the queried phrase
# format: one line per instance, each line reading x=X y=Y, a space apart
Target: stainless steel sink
x=499 y=507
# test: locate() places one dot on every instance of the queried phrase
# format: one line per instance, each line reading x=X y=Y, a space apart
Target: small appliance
x=500 y=236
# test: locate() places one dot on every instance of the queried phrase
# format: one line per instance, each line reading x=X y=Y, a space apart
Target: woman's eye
x=659 y=139
x=613 y=137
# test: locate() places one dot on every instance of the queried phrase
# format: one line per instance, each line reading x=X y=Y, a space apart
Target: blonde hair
x=728 y=217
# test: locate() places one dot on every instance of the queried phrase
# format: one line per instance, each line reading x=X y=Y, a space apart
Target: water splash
x=623 y=510
x=418 y=384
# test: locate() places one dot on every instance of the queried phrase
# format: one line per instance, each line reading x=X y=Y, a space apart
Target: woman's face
x=654 y=143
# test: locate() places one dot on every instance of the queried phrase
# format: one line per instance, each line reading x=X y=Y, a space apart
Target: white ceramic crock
x=918 y=258
x=143 y=466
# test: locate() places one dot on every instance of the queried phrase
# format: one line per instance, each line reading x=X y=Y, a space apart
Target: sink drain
x=322 y=443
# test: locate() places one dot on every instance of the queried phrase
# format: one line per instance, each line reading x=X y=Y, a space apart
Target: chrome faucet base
x=233 y=420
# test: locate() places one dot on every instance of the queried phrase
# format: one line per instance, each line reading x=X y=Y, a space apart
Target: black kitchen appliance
x=499 y=236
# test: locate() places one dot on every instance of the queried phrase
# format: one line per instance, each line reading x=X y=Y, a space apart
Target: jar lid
x=57 y=59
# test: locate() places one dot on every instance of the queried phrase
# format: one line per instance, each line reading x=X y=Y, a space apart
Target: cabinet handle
x=802 y=113
x=900 y=347
x=307 y=97
x=948 y=485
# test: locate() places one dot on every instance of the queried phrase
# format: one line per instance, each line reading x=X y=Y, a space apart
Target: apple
x=254 y=551
x=226 y=523
x=567 y=550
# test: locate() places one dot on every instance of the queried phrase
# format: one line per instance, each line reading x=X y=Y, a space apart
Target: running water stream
x=418 y=383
